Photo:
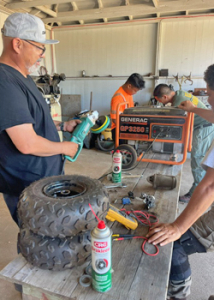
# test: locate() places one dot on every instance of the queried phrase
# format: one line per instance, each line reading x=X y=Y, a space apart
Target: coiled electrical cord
x=143 y=245
x=143 y=218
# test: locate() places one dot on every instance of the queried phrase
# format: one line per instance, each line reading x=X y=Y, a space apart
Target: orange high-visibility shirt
x=120 y=96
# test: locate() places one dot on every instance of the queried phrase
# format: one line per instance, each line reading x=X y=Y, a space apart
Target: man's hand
x=163 y=234
x=69 y=148
x=187 y=106
x=70 y=125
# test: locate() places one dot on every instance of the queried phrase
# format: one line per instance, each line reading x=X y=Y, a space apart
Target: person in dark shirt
x=29 y=142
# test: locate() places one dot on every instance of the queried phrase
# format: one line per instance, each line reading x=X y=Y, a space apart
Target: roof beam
x=47 y=11
x=127 y=4
x=34 y=11
x=122 y=11
x=55 y=8
x=100 y=5
x=39 y=5
x=33 y=3
x=156 y=3
x=75 y=7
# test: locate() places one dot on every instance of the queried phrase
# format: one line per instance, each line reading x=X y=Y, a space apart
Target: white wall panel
x=105 y=51
x=115 y=51
x=3 y=17
x=102 y=91
x=187 y=46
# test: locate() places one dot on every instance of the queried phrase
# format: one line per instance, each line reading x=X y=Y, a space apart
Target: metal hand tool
x=115 y=186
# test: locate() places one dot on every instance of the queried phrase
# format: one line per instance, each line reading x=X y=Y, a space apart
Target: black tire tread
x=62 y=217
x=54 y=253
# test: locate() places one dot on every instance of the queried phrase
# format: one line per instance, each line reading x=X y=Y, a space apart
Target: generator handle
x=118 y=122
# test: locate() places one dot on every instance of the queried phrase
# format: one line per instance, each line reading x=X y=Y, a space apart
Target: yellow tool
x=114 y=214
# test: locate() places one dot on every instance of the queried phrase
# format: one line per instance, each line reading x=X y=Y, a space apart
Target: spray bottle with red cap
x=117 y=167
x=101 y=257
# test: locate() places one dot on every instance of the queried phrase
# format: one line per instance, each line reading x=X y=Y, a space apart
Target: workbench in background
x=136 y=275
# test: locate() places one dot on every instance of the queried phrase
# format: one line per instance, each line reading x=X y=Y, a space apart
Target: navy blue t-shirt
x=21 y=102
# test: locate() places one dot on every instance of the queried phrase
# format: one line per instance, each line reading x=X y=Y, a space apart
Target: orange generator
x=167 y=130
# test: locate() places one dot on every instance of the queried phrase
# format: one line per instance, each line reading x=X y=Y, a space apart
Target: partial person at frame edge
x=193 y=230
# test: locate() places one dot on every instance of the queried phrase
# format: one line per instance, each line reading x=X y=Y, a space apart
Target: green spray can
x=101 y=258
x=117 y=167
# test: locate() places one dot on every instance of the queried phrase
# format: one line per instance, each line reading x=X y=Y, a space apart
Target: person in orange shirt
x=133 y=84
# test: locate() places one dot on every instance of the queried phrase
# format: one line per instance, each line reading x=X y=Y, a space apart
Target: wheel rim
x=63 y=189
x=126 y=157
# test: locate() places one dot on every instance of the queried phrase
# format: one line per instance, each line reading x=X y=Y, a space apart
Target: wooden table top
x=135 y=275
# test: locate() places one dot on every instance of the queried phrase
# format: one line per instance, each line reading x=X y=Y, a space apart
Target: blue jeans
x=186 y=245
x=180 y=275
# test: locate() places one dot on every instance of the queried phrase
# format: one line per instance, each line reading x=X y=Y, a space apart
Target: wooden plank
x=75 y=7
x=25 y=4
x=13 y=268
x=122 y=11
x=31 y=293
x=156 y=3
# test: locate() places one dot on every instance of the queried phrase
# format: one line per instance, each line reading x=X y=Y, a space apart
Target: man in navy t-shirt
x=29 y=142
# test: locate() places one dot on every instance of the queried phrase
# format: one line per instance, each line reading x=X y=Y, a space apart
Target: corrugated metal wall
x=114 y=51
x=185 y=46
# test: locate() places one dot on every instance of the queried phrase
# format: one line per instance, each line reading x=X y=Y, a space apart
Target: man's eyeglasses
x=43 y=49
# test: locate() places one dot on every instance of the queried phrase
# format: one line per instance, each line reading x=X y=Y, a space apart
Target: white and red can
x=117 y=167
x=101 y=257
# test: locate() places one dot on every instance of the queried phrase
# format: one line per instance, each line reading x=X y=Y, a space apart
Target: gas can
x=101 y=257
x=117 y=166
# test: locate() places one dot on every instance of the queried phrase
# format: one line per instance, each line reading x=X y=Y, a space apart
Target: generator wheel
x=54 y=253
x=58 y=206
x=129 y=156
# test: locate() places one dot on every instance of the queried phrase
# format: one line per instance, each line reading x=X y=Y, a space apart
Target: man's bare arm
x=27 y=141
x=206 y=114
x=200 y=201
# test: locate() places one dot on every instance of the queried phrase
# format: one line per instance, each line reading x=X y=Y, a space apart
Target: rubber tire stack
x=55 y=220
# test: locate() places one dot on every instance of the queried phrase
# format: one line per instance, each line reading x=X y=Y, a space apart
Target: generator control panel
x=149 y=123
x=166 y=132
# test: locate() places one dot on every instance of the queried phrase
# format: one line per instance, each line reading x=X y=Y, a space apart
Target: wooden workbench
x=136 y=275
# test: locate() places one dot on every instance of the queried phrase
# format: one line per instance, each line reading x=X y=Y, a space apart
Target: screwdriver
x=121 y=237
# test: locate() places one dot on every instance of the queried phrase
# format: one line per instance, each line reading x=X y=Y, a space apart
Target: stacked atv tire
x=56 y=220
